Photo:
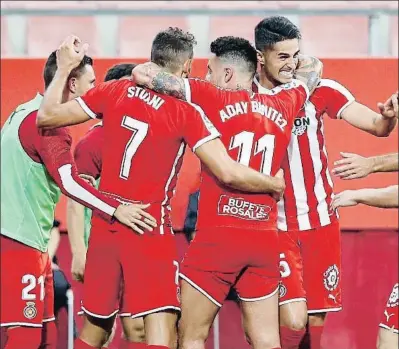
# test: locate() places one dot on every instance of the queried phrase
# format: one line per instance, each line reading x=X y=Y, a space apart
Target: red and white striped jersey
x=309 y=187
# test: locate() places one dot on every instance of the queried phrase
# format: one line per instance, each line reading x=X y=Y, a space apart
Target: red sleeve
x=93 y=101
x=88 y=153
x=335 y=97
x=197 y=128
x=200 y=91
x=54 y=149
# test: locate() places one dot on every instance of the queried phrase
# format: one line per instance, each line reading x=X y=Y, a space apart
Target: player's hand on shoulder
x=344 y=199
x=70 y=53
x=280 y=185
x=390 y=109
x=135 y=217
x=78 y=266
x=352 y=166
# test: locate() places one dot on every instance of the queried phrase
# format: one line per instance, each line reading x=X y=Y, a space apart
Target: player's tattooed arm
x=152 y=76
x=309 y=70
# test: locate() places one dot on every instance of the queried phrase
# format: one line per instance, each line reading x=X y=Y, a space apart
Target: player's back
x=144 y=136
x=255 y=130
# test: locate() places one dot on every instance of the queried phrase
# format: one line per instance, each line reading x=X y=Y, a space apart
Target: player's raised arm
x=382 y=197
x=353 y=166
x=341 y=104
x=191 y=90
x=154 y=77
x=53 y=113
x=378 y=124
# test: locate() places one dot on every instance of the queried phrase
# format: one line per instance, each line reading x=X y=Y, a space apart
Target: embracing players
x=145 y=134
x=236 y=244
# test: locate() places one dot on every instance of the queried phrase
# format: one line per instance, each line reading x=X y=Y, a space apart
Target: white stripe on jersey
x=214 y=133
x=179 y=154
x=74 y=189
x=314 y=148
x=84 y=106
x=187 y=89
x=281 y=217
x=298 y=184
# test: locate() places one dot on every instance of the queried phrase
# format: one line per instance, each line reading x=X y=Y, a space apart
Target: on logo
x=300 y=126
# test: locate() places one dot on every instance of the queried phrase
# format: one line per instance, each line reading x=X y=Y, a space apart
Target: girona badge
x=282 y=291
x=30 y=310
x=393 y=300
x=331 y=278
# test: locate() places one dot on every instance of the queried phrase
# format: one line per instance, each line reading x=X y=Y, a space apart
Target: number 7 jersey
x=144 y=139
x=256 y=130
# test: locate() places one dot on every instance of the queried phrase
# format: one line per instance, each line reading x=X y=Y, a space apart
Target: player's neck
x=265 y=81
x=244 y=84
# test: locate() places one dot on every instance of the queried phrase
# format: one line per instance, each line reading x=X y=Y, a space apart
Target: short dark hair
x=236 y=49
x=172 y=47
x=272 y=30
x=119 y=71
x=51 y=67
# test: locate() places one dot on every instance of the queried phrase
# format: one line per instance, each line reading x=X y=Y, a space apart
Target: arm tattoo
x=169 y=84
x=309 y=73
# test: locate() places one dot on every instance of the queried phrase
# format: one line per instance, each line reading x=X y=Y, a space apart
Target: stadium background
x=358 y=42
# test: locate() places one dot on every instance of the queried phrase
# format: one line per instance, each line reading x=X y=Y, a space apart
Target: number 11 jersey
x=144 y=139
x=256 y=130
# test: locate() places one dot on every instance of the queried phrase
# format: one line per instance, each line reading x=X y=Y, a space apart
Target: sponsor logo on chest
x=241 y=208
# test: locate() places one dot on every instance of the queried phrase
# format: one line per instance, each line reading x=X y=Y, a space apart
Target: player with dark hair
x=145 y=135
x=37 y=165
x=308 y=228
x=355 y=166
x=88 y=157
x=233 y=228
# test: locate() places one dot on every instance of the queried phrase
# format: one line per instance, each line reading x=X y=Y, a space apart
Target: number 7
x=140 y=130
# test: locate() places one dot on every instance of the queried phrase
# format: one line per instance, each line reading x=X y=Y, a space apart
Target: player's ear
x=187 y=68
x=261 y=57
x=228 y=74
x=72 y=85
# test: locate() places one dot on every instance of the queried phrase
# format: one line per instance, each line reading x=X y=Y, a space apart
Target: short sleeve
x=335 y=97
x=88 y=153
x=93 y=101
x=197 y=128
x=200 y=92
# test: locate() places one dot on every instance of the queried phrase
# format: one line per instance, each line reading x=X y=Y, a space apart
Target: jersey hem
x=18 y=239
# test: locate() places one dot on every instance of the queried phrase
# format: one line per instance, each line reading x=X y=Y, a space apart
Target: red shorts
x=390 y=319
x=145 y=264
x=27 y=294
x=220 y=258
x=122 y=311
x=310 y=266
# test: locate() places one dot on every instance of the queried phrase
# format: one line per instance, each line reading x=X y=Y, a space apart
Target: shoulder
x=329 y=84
